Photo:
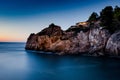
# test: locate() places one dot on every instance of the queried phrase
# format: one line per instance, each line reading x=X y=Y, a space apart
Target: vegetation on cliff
x=109 y=17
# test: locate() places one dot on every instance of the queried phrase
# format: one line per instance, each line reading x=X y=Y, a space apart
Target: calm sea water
x=18 y=64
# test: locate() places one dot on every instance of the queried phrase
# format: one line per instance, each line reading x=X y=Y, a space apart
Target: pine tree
x=117 y=13
x=107 y=18
x=93 y=17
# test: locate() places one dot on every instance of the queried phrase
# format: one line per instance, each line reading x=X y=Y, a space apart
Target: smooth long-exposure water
x=18 y=64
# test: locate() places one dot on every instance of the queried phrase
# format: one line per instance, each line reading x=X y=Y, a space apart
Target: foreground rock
x=113 y=44
x=97 y=39
x=77 y=39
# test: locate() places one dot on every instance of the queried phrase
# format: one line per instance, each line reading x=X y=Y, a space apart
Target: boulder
x=113 y=44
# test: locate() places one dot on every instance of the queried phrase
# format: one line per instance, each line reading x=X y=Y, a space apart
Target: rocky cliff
x=94 y=41
x=113 y=44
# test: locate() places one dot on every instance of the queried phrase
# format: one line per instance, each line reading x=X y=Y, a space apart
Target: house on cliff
x=82 y=24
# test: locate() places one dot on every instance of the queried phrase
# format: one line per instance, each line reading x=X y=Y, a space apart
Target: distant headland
x=98 y=36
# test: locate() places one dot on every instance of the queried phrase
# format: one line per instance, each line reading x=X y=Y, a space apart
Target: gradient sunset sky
x=19 y=18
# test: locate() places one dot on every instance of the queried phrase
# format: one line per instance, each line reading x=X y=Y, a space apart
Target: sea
x=18 y=64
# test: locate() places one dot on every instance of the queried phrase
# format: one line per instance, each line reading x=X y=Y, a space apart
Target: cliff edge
x=78 y=39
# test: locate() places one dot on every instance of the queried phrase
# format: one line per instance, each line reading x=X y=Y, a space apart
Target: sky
x=19 y=18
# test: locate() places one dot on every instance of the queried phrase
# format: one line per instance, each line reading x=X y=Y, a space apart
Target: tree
x=116 y=19
x=117 y=13
x=93 y=17
x=107 y=18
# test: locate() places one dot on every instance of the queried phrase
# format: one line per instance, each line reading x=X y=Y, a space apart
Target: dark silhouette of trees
x=107 y=17
x=93 y=17
x=117 y=13
x=116 y=19
x=110 y=18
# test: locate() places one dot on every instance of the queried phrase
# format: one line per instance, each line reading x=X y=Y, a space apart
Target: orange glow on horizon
x=6 y=38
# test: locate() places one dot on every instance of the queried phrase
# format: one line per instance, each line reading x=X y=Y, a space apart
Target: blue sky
x=19 y=18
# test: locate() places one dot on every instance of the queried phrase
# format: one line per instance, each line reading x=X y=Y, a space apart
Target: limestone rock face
x=113 y=44
x=32 y=42
x=76 y=40
x=52 y=30
x=61 y=46
x=80 y=43
x=44 y=39
x=97 y=39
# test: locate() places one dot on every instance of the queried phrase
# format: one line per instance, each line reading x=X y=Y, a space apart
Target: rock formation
x=113 y=44
x=76 y=40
